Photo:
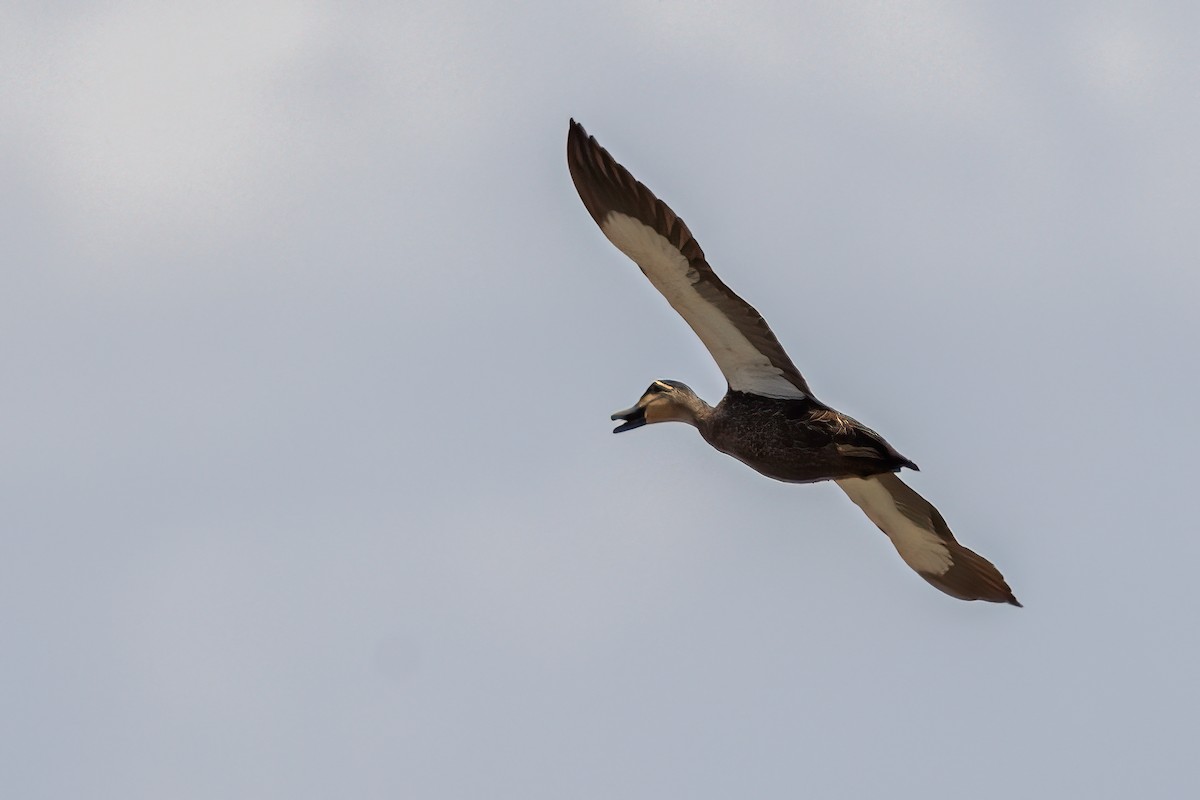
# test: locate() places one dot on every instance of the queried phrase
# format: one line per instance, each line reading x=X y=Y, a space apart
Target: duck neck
x=700 y=414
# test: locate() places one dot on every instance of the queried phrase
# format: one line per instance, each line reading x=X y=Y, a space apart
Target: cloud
x=911 y=59
x=147 y=118
x=141 y=123
x=1122 y=56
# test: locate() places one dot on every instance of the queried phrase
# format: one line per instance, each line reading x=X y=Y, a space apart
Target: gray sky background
x=309 y=349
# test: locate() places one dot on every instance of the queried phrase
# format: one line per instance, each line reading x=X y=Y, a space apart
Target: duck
x=769 y=418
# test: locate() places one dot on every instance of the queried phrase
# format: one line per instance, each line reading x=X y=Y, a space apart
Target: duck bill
x=631 y=418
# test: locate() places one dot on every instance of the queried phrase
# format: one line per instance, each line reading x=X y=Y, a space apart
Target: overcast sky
x=308 y=487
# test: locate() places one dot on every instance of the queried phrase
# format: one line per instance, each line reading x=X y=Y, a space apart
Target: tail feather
x=923 y=539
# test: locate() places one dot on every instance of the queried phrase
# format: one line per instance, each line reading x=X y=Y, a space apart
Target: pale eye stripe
x=744 y=366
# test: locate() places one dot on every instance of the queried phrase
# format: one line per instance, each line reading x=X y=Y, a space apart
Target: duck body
x=796 y=440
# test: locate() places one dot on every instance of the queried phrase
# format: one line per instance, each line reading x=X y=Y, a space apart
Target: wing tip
x=592 y=170
x=972 y=577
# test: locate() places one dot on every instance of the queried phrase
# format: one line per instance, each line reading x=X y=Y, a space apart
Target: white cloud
x=914 y=58
x=142 y=122
x=1121 y=56
x=151 y=118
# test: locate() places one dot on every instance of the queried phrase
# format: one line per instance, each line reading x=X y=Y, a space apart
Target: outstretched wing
x=645 y=229
x=924 y=540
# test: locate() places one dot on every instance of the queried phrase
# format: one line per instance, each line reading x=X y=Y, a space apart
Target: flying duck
x=768 y=419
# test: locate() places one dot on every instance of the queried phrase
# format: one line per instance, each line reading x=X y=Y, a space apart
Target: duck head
x=664 y=401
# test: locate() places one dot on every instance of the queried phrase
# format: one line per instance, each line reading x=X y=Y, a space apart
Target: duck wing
x=645 y=229
x=924 y=540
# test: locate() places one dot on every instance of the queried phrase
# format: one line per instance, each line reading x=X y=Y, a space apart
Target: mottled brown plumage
x=798 y=441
